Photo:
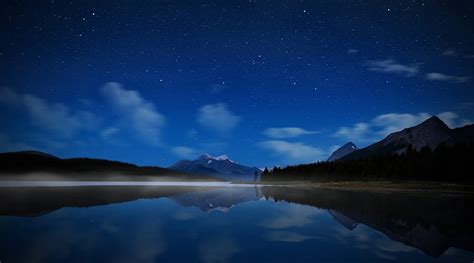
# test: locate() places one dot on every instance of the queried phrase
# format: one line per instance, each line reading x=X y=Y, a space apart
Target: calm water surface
x=218 y=223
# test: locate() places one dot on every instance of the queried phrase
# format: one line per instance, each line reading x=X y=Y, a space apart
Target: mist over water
x=117 y=183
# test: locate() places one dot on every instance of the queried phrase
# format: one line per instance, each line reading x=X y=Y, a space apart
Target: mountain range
x=430 y=133
x=220 y=166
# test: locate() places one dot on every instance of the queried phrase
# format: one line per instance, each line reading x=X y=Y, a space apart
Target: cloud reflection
x=292 y=216
x=286 y=236
x=217 y=249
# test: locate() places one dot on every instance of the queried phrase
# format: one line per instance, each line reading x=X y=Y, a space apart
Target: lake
x=231 y=223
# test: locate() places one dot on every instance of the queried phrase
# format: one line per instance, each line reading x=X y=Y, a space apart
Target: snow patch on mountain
x=222 y=157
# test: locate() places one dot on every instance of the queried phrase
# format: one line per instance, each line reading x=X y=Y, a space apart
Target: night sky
x=265 y=82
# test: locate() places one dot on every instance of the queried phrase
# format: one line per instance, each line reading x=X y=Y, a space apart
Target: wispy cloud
x=384 y=124
x=435 y=76
x=108 y=132
x=393 y=122
x=184 y=151
x=55 y=117
x=294 y=151
x=359 y=133
x=352 y=51
x=139 y=113
x=453 y=120
x=449 y=53
x=287 y=132
x=391 y=66
x=218 y=117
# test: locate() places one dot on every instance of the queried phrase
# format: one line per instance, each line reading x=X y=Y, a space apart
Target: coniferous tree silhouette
x=445 y=163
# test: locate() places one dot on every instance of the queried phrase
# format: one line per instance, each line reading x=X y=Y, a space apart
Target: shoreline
x=45 y=180
x=383 y=186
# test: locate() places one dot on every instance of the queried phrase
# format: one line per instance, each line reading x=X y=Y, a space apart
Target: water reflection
x=217 y=249
x=215 y=224
x=431 y=223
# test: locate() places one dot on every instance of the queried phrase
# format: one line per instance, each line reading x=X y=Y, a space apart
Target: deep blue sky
x=265 y=82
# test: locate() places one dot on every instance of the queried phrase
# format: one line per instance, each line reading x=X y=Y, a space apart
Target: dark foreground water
x=231 y=224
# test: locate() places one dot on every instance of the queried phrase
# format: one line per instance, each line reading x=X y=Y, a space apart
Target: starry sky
x=265 y=82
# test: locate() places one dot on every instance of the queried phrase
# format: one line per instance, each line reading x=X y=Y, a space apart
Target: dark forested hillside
x=445 y=163
x=26 y=162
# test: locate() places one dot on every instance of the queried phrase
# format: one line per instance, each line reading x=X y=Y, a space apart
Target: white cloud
x=138 y=112
x=184 y=152
x=287 y=132
x=294 y=151
x=450 y=118
x=217 y=117
x=379 y=127
x=391 y=66
x=393 y=122
x=352 y=51
x=357 y=133
x=384 y=124
x=449 y=53
x=435 y=76
x=108 y=132
x=453 y=120
x=55 y=117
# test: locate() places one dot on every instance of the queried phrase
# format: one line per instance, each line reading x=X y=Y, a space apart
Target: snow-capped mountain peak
x=223 y=157
x=218 y=158
x=205 y=156
x=221 y=166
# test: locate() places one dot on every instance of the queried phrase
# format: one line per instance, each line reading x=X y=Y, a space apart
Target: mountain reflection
x=429 y=222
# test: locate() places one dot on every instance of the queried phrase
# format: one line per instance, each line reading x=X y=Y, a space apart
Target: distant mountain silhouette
x=34 y=161
x=428 y=151
x=342 y=151
x=430 y=133
x=221 y=166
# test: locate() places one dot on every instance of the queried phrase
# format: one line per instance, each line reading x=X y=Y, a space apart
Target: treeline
x=26 y=162
x=445 y=163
